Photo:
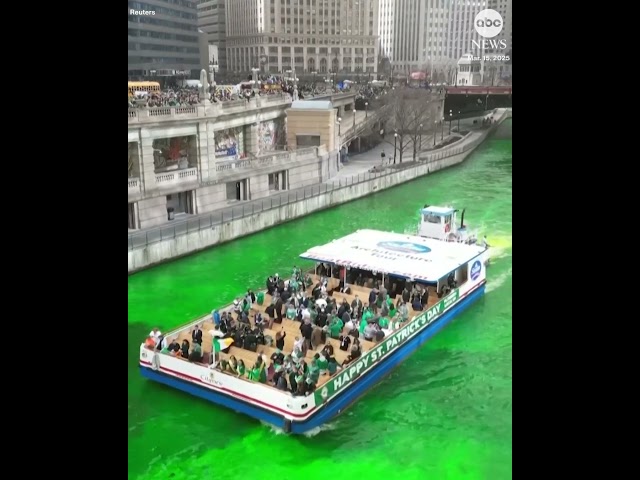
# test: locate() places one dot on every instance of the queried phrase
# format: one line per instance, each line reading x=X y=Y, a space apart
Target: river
x=444 y=414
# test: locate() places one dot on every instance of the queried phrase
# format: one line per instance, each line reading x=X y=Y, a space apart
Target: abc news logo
x=488 y=23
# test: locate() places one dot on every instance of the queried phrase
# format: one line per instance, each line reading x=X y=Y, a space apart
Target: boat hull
x=341 y=401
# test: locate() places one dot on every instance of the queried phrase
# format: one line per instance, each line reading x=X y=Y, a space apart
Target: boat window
x=431 y=218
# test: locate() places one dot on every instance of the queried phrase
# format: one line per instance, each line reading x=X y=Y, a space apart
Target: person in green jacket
x=383 y=322
x=336 y=327
x=321 y=362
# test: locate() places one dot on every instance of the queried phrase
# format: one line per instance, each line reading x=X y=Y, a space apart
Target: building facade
x=502 y=71
x=212 y=21
x=431 y=35
x=196 y=159
x=162 y=39
x=303 y=35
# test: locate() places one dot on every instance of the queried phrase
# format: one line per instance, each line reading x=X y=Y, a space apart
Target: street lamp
x=395 y=146
x=339 y=120
x=435 y=132
x=366 y=109
x=450 y=118
x=354 y=118
x=458 y=121
x=420 y=137
x=442 y=135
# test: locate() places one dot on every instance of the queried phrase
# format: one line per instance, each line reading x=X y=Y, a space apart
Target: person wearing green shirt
x=314 y=372
x=241 y=368
x=367 y=314
x=322 y=362
x=392 y=311
x=363 y=325
x=291 y=312
x=383 y=322
x=293 y=283
x=336 y=327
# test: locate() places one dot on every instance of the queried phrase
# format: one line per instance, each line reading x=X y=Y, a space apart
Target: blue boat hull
x=337 y=404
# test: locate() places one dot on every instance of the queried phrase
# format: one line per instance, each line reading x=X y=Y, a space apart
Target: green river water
x=443 y=414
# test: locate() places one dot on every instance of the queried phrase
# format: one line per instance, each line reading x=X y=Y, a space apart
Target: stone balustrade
x=134 y=185
x=159 y=114
x=171 y=179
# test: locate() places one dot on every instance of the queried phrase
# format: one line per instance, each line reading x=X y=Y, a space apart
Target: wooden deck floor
x=292 y=328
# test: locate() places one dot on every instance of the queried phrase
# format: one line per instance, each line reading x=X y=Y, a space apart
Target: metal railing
x=191 y=224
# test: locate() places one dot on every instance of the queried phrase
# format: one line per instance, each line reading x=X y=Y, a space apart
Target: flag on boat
x=220 y=344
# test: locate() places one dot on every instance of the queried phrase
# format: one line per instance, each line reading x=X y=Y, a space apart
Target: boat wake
x=311 y=433
x=322 y=428
x=498 y=281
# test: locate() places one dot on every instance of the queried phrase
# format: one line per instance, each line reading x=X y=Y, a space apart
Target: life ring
x=447 y=228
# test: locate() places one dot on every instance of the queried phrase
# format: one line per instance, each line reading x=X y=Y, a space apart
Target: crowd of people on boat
x=321 y=317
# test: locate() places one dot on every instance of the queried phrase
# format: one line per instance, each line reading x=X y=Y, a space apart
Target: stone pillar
x=206 y=147
x=251 y=145
x=147 y=174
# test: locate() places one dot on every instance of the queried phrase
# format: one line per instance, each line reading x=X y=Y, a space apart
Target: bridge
x=464 y=102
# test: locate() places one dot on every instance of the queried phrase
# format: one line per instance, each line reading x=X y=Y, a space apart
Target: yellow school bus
x=151 y=87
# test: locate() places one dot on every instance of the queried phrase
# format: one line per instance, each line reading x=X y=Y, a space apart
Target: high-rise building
x=163 y=39
x=305 y=35
x=419 y=34
x=500 y=71
x=211 y=20
x=503 y=7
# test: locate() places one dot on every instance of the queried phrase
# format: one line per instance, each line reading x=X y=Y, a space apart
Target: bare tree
x=406 y=110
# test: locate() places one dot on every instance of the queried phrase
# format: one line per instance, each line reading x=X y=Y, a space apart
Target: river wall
x=338 y=193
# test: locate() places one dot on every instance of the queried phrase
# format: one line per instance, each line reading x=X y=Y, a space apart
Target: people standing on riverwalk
x=382 y=155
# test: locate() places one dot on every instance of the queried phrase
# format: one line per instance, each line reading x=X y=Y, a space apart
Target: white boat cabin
x=441 y=223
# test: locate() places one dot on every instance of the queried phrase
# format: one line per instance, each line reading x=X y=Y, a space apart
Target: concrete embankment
x=337 y=193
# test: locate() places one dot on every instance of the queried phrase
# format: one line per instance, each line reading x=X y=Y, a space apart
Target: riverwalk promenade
x=190 y=233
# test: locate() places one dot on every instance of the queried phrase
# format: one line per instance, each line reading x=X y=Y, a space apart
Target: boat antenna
x=462 y=218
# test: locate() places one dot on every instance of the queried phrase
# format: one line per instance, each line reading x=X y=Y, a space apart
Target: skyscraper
x=419 y=34
x=211 y=20
x=163 y=39
x=500 y=71
x=305 y=35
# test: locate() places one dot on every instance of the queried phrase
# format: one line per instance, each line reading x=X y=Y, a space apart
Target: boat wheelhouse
x=453 y=274
x=441 y=223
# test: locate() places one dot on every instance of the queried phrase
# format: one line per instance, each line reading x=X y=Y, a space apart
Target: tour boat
x=452 y=271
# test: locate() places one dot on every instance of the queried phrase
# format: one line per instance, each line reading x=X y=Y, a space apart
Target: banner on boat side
x=384 y=348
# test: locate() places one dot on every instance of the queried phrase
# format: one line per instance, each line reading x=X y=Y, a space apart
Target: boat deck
x=292 y=328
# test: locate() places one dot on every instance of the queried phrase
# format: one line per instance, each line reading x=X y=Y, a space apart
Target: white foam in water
x=311 y=433
x=497 y=282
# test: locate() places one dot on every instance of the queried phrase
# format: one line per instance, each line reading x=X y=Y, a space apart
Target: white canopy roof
x=395 y=254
